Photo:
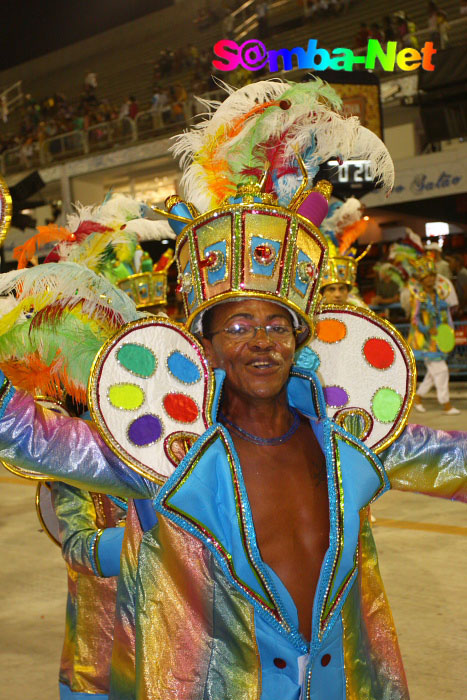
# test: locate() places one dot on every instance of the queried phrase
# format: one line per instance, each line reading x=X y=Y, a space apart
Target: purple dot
x=145 y=430
x=335 y=396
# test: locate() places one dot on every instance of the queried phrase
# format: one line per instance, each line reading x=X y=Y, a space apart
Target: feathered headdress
x=96 y=236
x=51 y=333
x=344 y=225
x=249 y=227
x=263 y=127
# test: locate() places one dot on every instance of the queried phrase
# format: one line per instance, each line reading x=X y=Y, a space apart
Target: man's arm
x=85 y=547
x=433 y=462
x=61 y=448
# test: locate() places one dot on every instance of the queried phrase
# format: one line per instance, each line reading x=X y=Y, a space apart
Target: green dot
x=386 y=405
x=127 y=396
x=137 y=359
x=445 y=338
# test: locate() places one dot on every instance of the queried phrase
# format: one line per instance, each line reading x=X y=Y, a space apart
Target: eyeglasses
x=247 y=331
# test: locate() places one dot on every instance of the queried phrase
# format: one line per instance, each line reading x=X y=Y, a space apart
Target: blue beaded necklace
x=268 y=442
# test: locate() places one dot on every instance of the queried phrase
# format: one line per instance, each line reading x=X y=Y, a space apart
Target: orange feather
x=350 y=234
x=47 y=234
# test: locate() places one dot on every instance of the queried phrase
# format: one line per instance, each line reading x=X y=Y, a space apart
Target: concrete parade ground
x=423 y=559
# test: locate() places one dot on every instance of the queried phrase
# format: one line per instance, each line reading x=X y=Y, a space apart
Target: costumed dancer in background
x=431 y=336
x=91 y=530
x=400 y=268
x=49 y=349
x=46 y=350
x=342 y=227
x=259 y=578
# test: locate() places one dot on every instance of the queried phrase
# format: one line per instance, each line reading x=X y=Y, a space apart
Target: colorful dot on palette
x=180 y=407
x=145 y=430
x=445 y=338
x=330 y=330
x=379 y=353
x=386 y=405
x=183 y=368
x=335 y=396
x=126 y=396
x=137 y=359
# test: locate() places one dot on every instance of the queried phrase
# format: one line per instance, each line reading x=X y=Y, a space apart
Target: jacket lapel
x=206 y=496
x=356 y=477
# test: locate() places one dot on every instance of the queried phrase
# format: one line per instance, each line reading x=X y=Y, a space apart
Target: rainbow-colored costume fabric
x=428 y=315
x=83 y=518
x=210 y=617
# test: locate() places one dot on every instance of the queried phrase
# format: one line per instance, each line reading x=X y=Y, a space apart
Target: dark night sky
x=31 y=28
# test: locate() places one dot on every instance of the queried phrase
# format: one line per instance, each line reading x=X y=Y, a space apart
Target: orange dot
x=331 y=331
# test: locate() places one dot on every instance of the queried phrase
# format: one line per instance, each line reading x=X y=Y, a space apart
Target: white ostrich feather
x=147 y=230
x=7 y=303
x=218 y=152
x=64 y=281
x=117 y=209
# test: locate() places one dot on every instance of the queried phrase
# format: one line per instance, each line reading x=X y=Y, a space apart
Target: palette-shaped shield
x=150 y=395
x=367 y=371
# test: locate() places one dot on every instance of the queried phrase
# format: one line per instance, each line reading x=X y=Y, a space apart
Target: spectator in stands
x=362 y=36
x=463 y=8
x=166 y=106
x=438 y=26
x=375 y=32
x=124 y=110
x=179 y=98
x=387 y=290
x=90 y=81
x=388 y=29
x=193 y=55
x=310 y=8
x=133 y=107
x=156 y=99
x=459 y=279
x=406 y=30
x=262 y=10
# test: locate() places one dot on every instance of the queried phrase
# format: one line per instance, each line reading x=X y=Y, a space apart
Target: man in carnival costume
x=342 y=227
x=431 y=334
x=259 y=577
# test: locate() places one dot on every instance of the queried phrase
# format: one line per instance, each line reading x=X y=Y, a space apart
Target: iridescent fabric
x=210 y=622
x=122 y=678
x=428 y=461
x=87 y=648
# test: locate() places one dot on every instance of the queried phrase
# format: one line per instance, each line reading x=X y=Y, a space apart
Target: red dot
x=280 y=663
x=181 y=408
x=325 y=659
x=379 y=353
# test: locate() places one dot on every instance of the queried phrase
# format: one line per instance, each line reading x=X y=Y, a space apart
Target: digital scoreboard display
x=353 y=172
x=350 y=178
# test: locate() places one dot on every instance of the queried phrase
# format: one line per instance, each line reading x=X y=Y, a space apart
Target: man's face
x=429 y=282
x=258 y=367
x=335 y=293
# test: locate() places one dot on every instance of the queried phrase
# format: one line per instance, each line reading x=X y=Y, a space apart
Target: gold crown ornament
x=423 y=267
x=249 y=225
x=251 y=247
x=340 y=270
x=146 y=288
